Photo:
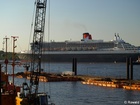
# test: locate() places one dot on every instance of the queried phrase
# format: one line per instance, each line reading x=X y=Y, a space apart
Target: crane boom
x=37 y=43
x=30 y=93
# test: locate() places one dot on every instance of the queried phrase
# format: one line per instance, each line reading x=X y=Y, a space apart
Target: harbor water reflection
x=75 y=93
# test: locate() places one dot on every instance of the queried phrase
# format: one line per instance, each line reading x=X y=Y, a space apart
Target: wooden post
x=13 y=63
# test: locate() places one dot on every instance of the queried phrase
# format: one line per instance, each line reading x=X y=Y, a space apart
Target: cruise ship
x=86 y=50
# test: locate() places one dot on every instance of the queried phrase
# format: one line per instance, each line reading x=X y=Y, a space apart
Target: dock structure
x=50 y=77
x=88 y=80
x=129 y=65
x=114 y=83
x=126 y=83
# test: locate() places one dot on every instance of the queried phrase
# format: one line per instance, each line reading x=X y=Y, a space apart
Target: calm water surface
x=75 y=93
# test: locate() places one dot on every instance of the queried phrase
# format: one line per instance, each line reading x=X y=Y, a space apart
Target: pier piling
x=131 y=69
x=74 y=66
x=127 y=67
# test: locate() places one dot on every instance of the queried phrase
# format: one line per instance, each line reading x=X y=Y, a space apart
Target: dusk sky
x=69 y=19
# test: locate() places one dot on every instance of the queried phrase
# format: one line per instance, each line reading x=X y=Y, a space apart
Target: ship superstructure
x=87 y=44
x=87 y=50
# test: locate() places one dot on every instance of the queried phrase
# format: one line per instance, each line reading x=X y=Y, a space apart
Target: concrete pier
x=74 y=66
x=131 y=69
x=127 y=68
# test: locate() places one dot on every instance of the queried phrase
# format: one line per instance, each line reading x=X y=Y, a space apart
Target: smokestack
x=85 y=35
x=90 y=37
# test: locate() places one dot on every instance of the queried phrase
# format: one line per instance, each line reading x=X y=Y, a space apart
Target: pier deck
x=86 y=79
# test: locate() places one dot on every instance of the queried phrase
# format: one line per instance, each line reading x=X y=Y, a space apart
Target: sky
x=69 y=19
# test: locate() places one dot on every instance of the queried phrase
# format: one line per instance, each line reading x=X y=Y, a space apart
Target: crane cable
x=28 y=50
x=49 y=66
x=32 y=25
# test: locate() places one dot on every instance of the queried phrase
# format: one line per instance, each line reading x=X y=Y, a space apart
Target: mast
x=13 y=56
x=6 y=58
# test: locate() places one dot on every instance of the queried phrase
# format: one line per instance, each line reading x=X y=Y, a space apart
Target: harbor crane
x=37 y=44
x=30 y=91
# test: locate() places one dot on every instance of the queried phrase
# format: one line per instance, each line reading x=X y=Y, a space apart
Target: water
x=75 y=93
x=117 y=70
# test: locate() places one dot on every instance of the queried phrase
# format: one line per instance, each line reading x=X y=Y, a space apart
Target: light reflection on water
x=75 y=93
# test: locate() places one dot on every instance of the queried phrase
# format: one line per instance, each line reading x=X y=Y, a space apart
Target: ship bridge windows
x=84 y=46
x=77 y=46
